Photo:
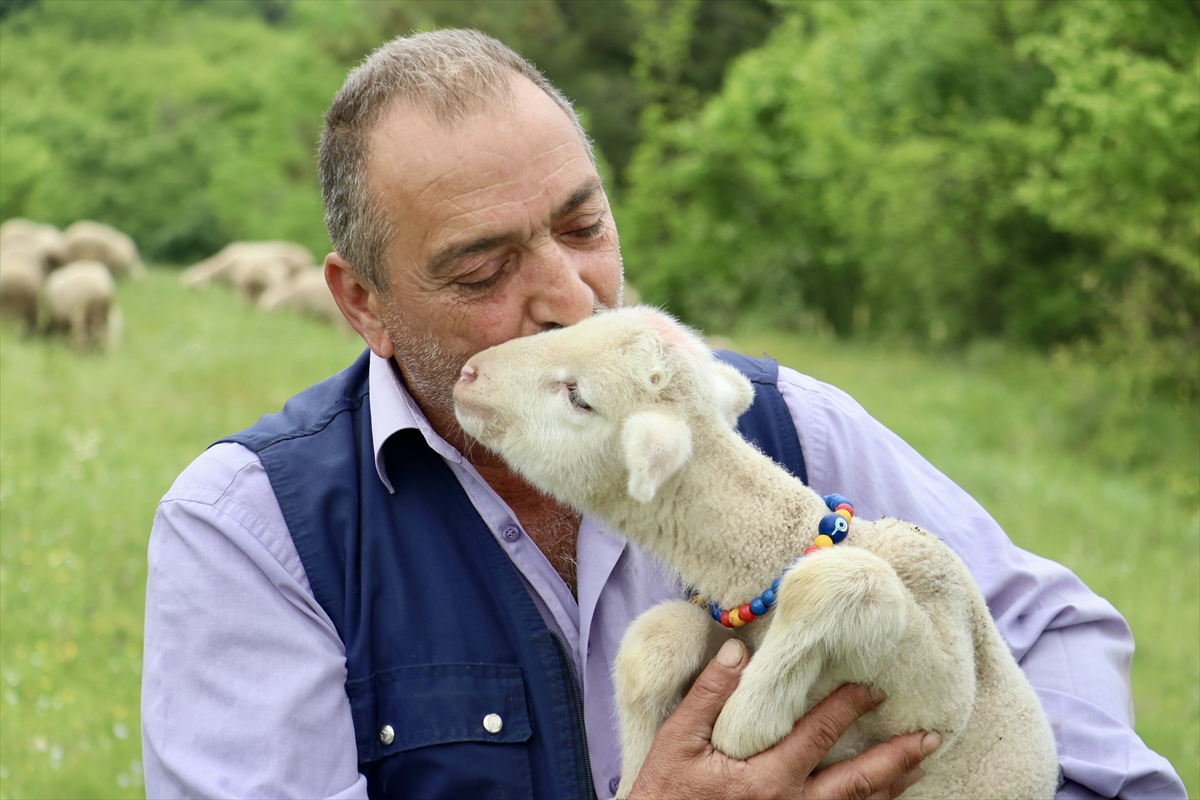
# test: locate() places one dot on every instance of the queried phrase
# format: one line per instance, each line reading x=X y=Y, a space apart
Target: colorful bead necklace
x=831 y=530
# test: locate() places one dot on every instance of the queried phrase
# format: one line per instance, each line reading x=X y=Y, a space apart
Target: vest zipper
x=576 y=715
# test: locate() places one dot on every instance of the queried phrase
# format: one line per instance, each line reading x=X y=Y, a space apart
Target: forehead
x=510 y=164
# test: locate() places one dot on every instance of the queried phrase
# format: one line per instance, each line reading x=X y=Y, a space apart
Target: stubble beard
x=430 y=370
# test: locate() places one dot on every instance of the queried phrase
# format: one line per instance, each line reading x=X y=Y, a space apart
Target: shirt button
x=386 y=734
x=510 y=533
x=614 y=783
x=492 y=723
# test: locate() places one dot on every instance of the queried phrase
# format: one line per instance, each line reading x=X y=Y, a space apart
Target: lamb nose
x=468 y=374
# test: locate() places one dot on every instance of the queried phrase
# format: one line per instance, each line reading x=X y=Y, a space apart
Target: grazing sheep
x=628 y=416
x=308 y=293
x=95 y=241
x=254 y=275
x=222 y=266
x=79 y=300
x=45 y=241
x=21 y=275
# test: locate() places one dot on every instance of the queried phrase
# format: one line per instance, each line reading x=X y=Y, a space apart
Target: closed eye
x=576 y=400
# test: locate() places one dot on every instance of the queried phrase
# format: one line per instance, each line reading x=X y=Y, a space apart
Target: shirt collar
x=393 y=410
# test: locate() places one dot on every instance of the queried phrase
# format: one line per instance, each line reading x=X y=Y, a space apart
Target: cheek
x=494 y=322
x=601 y=271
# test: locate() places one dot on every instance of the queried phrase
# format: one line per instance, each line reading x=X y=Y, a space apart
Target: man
x=350 y=599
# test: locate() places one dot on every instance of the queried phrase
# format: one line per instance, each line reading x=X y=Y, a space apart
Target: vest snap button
x=492 y=723
x=387 y=735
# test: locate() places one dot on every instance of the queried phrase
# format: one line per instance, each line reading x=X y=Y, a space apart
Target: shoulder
x=224 y=498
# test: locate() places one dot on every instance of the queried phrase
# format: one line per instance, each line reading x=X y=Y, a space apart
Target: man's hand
x=682 y=762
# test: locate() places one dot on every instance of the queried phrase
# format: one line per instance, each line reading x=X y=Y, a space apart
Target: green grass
x=88 y=444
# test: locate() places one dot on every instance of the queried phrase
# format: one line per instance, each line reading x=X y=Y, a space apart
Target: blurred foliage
x=942 y=172
x=183 y=127
x=192 y=123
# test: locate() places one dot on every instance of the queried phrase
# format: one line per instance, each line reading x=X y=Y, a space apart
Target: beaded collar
x=831 y=530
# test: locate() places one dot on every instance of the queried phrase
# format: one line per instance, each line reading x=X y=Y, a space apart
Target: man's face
x=502 y=230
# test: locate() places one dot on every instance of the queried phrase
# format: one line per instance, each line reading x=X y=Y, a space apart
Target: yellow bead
x=844 y=513
x=735 y=620
x=823 y=541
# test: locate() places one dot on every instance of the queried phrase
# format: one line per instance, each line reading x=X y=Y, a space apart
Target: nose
x=558 y=294
x=468 y=374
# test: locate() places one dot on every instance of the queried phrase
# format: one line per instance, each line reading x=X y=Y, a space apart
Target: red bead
x=725 y=619
x=846 y=506
x=746 y=614
x=812 y=548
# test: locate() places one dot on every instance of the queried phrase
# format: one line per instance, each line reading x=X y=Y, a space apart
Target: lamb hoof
x=741 y=732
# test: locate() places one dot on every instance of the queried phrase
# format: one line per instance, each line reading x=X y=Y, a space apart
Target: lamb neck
x=729 y=522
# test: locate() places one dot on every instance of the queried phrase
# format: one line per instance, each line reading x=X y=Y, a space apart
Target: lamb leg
x=842 y=605
x=662 y=653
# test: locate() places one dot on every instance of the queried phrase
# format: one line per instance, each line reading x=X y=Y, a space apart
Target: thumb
x=699 y=709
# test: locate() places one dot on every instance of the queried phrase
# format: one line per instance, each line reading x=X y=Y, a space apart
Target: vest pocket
x=410 y=707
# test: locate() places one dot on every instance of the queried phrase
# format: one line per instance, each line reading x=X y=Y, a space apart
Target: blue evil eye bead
x=758 y=606
x=834 y=526
x=768 y=598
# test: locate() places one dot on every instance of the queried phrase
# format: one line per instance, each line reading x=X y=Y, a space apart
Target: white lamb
x=307 y=293
x=94 y=241
x=21 y=276
x=628 y=416
x=79 y=301
x=222 y=266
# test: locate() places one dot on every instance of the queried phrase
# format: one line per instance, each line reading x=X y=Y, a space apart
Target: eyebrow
x=445 y=258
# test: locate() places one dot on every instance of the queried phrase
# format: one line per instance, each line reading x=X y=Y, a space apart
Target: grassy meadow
x=89 y=443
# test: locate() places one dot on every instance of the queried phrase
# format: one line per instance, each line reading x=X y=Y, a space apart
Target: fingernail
x=912 y=777
x=877 y=695
x=730 y=654
x=930 y=742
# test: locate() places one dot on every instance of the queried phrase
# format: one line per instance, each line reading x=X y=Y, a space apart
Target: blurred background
x=982 y=219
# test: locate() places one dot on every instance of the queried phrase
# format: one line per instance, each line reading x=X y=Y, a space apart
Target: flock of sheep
x=270 y=276
x=65 y=278
x=64 y=281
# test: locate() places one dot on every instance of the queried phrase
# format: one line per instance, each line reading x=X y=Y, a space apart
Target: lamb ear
x=656 y=445
x=734 y=392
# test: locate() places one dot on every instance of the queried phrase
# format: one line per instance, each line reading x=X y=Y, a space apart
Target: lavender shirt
x=243 y=692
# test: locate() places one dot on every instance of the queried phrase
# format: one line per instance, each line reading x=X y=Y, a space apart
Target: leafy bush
x=184 y=127
x=941 y=172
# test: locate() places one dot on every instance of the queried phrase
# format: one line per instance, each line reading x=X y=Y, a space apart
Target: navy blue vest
x=439 y=629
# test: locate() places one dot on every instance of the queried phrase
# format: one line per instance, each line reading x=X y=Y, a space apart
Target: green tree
x=184 y=127
x=942 y=172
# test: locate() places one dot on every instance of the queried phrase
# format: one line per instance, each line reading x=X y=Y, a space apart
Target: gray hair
x=449 y=74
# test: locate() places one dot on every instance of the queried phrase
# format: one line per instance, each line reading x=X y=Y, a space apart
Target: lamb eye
x=576 y=400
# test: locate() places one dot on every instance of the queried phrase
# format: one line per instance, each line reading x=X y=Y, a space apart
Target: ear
x=656 y=445
x=734 y=392
x=359 y=303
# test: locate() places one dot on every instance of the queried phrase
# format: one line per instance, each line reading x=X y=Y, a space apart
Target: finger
x=898 y=787
x=877 y=770
x=817 y=731
x=698 y=711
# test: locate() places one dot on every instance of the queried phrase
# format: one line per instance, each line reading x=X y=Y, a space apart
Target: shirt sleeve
x=244 y=674
x=1072 y=645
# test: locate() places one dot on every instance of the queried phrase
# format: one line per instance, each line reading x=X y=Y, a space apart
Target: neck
x=729 y=522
